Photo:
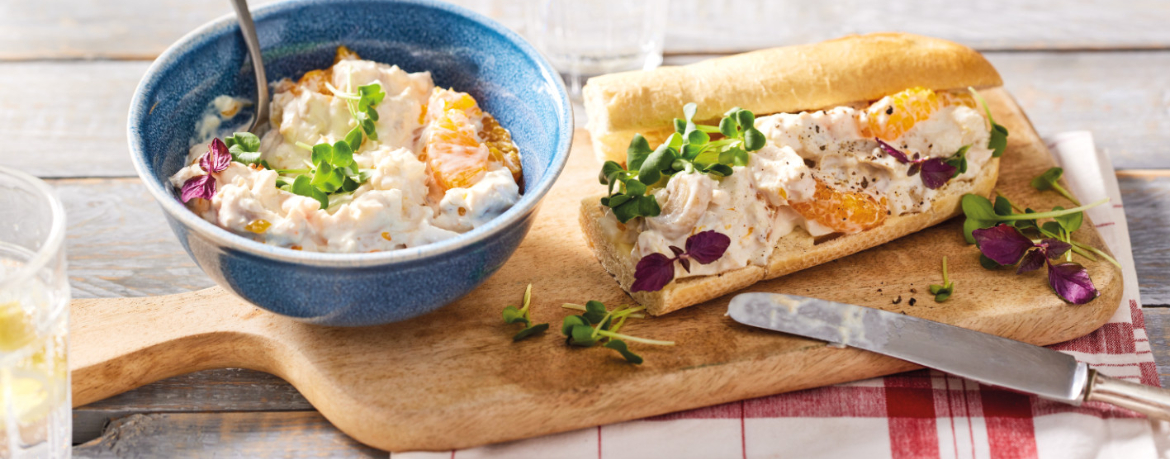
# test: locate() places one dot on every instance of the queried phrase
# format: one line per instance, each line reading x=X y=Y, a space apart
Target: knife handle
x=1150 y=401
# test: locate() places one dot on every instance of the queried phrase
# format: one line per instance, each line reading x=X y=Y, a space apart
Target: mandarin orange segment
x=453 y=149
x=462 y=140
x=890 y=121
x=453 y=152
x=841 y=211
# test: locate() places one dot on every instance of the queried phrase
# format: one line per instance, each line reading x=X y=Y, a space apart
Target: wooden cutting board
x=455 y=379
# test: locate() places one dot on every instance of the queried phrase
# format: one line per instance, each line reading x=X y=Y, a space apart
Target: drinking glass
x=586 y=38
x=34 y=321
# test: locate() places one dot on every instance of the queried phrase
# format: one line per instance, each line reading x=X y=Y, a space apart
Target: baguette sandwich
x=783 y=159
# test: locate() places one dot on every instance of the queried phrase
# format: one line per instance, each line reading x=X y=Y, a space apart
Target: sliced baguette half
x=778 y=80
x=793 y=252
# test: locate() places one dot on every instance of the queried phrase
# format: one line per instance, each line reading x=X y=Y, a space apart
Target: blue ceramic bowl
x=460 y=48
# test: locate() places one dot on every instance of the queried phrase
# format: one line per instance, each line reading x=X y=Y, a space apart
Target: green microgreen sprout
x=579 y=307
x=1069 y=223
x=331 y=171
x=999 y=134
x=361 y=104
x=944 y=291
x=245 y=148
x=333 y=168
x=981 y=213
x=601 y=326
x=1064 y=223
x=1048 y=181
x=689 y=149
x=523 y=315
x=959 y=160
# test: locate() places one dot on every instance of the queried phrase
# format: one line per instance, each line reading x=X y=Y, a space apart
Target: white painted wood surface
x=67 y=119
x=140 y=29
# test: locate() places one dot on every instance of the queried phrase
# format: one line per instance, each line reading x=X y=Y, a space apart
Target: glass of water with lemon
x=35 y=417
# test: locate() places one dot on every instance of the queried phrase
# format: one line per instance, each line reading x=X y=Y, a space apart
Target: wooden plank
x=63 y=119
x=1158 y=330
x=89 y=29
x=1124 y=98
x=1121 y=97
x=96 y=29
x=230 y=389
x=719 y=26
x=1147 y=213
x=275 y=434
x=251 y=435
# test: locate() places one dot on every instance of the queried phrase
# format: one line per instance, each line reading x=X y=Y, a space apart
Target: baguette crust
x=792 y=253
x=789 y=79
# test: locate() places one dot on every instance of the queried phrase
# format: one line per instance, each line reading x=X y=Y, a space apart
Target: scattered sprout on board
x=523 y=315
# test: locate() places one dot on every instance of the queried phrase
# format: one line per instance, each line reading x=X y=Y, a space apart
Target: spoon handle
x=248 y=28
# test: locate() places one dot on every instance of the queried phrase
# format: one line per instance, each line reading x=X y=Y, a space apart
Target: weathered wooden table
x=68 y=68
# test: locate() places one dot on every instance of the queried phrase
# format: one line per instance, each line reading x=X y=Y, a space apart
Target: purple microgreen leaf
x=677 y=251
x=1071 y=283
x=652 y=273
x=202 y=186
x=707 y=246
x=686 y=263
x=936 y=172
x=1002 y=243
x=217 y=157
x=890 y=150
x=1055 y=247
x=914 y=169
x=1033 y=260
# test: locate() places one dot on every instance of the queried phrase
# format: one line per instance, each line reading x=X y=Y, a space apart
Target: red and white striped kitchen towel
x=921 y=414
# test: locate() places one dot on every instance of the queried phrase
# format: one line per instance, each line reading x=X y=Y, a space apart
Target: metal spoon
x=248 y=28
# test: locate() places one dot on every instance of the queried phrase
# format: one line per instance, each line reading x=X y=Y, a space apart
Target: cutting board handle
x=135 y=341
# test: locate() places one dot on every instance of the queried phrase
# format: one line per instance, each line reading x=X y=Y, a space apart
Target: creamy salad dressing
x=221 y=108
x=397 y=207
x=753 y=205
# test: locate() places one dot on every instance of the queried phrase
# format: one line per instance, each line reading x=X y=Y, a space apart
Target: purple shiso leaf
x=890 y=150
x=1071 y=282
x=936 y=172
x=202 y=186
x=707 y=246
x=1055 y=247
x=914 y=169
x=653 y=272
x=1002 y=243
x=1033 y=260
x=217 y=157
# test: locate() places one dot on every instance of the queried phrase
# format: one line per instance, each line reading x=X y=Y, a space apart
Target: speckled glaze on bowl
x=460 y=48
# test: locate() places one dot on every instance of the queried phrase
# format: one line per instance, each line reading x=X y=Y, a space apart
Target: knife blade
x=967 y=353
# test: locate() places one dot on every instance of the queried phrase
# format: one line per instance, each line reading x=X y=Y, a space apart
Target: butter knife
x=970 y=354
